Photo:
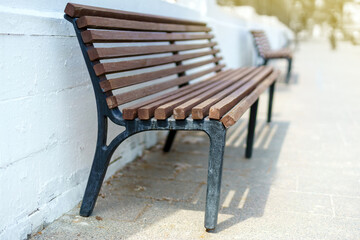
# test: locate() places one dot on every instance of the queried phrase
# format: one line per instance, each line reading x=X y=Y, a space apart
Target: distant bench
x=264 y=51
x=112 y=41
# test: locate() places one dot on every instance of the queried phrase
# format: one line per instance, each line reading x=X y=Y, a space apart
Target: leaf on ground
x=179 y=167
x=193 y=140
x=139 y=188
x=98 y=218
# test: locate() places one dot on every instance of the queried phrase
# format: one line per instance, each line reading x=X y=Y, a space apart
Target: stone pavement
x=303 y=181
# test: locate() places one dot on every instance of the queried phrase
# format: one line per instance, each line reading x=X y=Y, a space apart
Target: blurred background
x=336 y=20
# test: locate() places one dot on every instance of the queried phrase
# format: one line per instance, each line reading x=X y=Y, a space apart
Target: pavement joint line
x=196 y=166
x=328 y=194
x=143 y=210
x=297 y=183
x=164 y=199
x=158 y=179
x=196 y=192
x=332 y=206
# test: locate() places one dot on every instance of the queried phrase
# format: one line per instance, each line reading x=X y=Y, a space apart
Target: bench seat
x=281 y=53
x=213 y=97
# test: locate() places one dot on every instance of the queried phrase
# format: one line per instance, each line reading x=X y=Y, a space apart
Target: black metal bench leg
x=271 y=96
x=265 y=62
x=98 y=170
x=217 y=145
x=251 y=129
x=288 y=75
x=169 y=140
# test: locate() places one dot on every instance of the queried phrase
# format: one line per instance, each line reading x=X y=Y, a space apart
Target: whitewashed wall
x=48 y=115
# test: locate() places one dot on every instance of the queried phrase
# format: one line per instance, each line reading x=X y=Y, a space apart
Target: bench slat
x=202 y=110
x=234 y=115
x=220 y=108
x=116 y=52
x=114 y=101
x=120 y=24
x=148 y=111
x=131 y=112
x=164 y=111
x=121 y=82
x=182 y=111
x=105 y=36
x=78 y=10
x=113 y=67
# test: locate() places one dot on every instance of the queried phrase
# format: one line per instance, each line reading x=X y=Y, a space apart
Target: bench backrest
x=124 y=42
x=261 y=42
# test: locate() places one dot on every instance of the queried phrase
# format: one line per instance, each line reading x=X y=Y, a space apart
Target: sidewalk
x=303 y=181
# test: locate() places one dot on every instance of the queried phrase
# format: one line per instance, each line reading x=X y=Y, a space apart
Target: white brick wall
x=48 y=115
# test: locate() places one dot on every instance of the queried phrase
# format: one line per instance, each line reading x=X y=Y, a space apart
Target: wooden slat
x=113 y=67
x=121 y=82
x=78 y=10
x=202 y=110
x=234 y=115
x=116 y=52
x=114 y=101
x=182 y=111
x=105 y=36
x=148 y=111
x=165 y=110
x=131 y=112
x=120 y=24
x=223 y=106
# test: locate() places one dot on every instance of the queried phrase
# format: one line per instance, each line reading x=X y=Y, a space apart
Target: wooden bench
x=113 y=42
x=265 y=52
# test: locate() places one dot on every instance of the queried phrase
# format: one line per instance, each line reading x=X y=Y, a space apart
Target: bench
x=117 y=44
x=265 y=52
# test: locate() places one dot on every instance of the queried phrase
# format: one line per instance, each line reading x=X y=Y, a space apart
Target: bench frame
x=213 y=128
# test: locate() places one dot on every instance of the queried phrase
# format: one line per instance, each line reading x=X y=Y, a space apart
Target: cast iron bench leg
x=217 y=145
x=265 y=62
x=169 y=140
x=251 y=129
x=271 y=96
x=288 y=75
x=98 y=170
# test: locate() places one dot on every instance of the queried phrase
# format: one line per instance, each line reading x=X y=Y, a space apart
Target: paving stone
x=303 y=181
x=165 y=190
x=347 y=206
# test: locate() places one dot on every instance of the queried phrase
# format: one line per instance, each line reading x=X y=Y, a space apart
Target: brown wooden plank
x=105 y=36
x=235 y=114
x=223 y=106
x=202 y=110
x=148 y=111
x=120 y=24
x=77 y=10
x=121 y=82
x=114 y=101
x=182 y=111
x=166 y=110
x=131 y=112
x=113 y=67
x=117 y=52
